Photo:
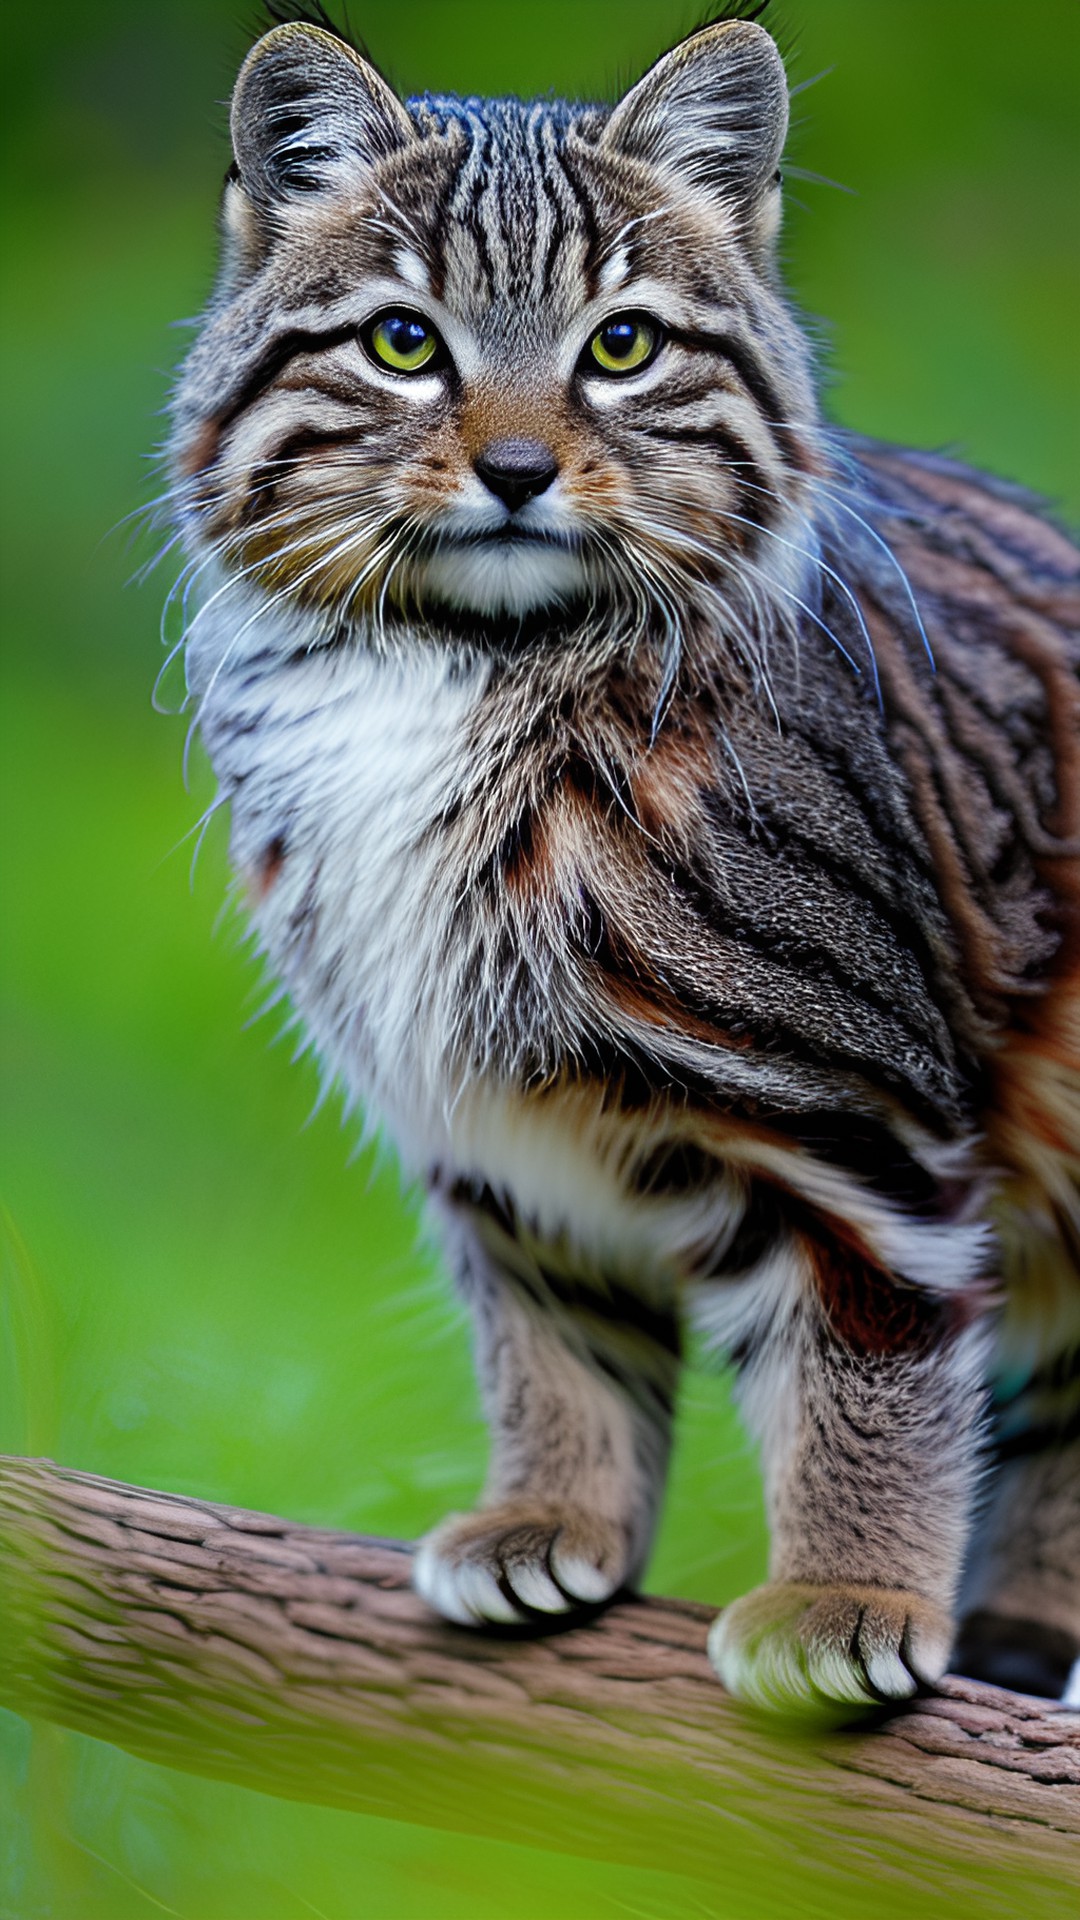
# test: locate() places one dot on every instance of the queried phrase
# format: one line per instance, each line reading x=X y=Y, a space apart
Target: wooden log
x=298 y=1660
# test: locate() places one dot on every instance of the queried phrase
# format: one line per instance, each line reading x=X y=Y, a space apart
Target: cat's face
x=494 y=358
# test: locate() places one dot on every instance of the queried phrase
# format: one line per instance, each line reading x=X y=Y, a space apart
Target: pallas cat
x=664 y=815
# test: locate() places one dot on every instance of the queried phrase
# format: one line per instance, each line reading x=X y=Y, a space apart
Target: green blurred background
x=198 y=1290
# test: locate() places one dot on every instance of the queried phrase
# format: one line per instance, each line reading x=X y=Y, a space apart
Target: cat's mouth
x=512 y=535
x=502 y=570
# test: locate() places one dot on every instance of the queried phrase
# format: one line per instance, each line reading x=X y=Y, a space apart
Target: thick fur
x=683 y=864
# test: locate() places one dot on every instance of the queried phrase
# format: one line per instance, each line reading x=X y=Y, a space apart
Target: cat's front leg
x=867 y=1397
x=578 y=1383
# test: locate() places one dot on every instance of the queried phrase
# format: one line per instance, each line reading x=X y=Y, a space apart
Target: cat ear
x=309 y=113
x=714 y=111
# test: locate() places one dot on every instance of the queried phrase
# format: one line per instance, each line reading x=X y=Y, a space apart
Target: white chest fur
x=339 y=766
x=342 y=768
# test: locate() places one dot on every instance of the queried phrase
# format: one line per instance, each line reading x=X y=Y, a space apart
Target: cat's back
x=986 y=723
x=989 y=740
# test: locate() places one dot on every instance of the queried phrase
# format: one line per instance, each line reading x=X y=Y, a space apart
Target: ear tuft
x=309 y=113
x=714 y=111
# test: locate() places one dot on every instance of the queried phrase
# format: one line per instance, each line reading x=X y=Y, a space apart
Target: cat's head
x=494 y=361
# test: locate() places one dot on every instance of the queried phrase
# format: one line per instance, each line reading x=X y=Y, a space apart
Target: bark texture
x=298 y=1661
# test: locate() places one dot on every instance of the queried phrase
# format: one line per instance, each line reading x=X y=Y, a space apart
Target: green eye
x=402 y=341
x=624 y=344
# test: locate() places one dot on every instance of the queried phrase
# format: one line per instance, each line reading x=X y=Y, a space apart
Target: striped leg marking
x=580 y=1433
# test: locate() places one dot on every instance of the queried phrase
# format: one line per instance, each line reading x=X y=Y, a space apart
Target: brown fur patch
x=200 y=451
x=269 y=869
x=489 y=413
x=526 y=857
x=869 y=1312
x=672 y=775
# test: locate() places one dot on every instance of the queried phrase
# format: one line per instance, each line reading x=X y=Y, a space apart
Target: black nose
x=516 y=469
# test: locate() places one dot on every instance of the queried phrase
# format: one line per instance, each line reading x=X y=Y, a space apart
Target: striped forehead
x=517 y=230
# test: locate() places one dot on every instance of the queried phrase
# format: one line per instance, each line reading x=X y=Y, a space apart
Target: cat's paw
x=819 y=1650
x=511 y=1564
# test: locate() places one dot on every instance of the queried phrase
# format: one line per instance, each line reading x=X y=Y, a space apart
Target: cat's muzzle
x=509 y=569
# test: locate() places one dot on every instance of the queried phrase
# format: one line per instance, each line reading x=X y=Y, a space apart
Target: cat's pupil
x=618 y=339
x=404 y=336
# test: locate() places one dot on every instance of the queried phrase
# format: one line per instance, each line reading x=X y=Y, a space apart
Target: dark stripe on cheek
x=314 y=439
x=271 y=474
x=721 y=438
x=742 y=470
x=277 y=356
x=741 y=358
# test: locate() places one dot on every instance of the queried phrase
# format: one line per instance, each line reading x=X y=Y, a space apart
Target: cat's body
x=709 y=949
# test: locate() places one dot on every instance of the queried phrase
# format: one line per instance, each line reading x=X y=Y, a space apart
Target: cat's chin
x=496 y=579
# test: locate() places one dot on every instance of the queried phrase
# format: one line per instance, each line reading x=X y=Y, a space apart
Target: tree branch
x=298 y=1661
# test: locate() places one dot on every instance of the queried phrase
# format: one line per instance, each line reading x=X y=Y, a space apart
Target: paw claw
x=485 y=1598
x=811 y=1650
x=888 y=1675
x=437 y=1584
x=583 y=1582
x=535 y=1587
x=505 y=1566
